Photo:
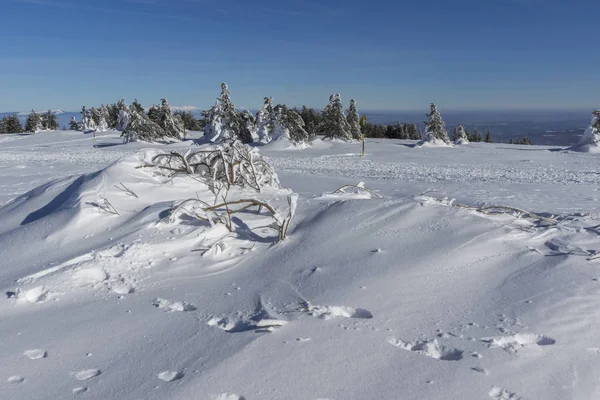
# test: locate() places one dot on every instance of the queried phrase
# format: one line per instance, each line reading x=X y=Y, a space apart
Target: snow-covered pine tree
x=49 y=121
x=73 y=125
x=173 y=127
x=265 y=121
x=103 y=118
x=353 y=120
x=12 y=124
x=124 y=116
x=460 y=135
x=140 y=127
x=488 y=137
x=33 y=123
x=435 y=127
x=95 y=113
x=247 y=127
x=113 y=116
x=154 y=114
x=591 y=136
x=334 y=124
x=223 y=119
x=288 y=125
x=137 y=107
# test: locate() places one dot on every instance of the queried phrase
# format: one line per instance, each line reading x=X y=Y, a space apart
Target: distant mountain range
x=552 y=128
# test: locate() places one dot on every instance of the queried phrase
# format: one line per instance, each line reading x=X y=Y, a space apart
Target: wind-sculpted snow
x=379 y=291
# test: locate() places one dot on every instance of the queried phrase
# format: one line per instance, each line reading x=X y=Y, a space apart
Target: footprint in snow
x=79 y=389
x=429 y=348
x=328 y=312
x=481 y=370
x=35 y=354
x=513 y=343
x=498 y=393
x=86 y=374
x=229 y=396
x=169 y=376
x=170 y=305
x=15 y=379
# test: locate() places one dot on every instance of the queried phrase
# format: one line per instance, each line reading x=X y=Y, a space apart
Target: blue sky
x=389 y=55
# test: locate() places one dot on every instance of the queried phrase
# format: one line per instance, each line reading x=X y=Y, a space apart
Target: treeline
x=35 y=123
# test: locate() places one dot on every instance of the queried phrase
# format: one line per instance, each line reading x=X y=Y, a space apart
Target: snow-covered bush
x=435 y=128
x=460 y=135
x=231 y=164
x=334 y=124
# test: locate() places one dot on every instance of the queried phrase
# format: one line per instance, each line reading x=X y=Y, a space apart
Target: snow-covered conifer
x=73 y=125
x=288 y=125
x=49 y=121
x=265 y=121
x=140 y=127
x=591 y=136
x=103 y=118
x=353 y=120
x=247 y=127
x=334 y=124
x=124 y=116
x=33 y=123
x=435 y=127
x=460 y=135
x=222 y=120
x=137 y=107
x=173 y=127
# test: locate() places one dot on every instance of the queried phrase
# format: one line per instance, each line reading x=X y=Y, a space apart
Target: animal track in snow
x=15 y=379
x=229 y=396
x=34 y=295
x=241 y=325
x=481 y=370
x=79 y=389
x=429 y=348
x=513 y=343
x=328 y=312
x=169 y=376
x=171 y=305
x=498 y=393
x=35 y=354
x=86 y=374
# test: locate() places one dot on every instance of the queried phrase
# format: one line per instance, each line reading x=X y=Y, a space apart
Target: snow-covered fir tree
x=265 y=121
x=591 y=136
x=73 y=125
x=154 y=114
x=172 y=126
x=33 y=123
x=95 y=113
x=334 y=124
x=288 y=125
x=353 y=120
x=137 y=107
x=488 y=137
x=460 y=135
x=11 y=124
x=435 y=127
x=49 y=121
x=247 y=127
x=222 y=120
x=103 y=118
x=140 y=127
x=124 y=116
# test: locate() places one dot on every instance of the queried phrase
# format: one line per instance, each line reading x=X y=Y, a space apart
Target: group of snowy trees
x=134 y=123
x=41 y=122
x=223 y=121
x=35 y=123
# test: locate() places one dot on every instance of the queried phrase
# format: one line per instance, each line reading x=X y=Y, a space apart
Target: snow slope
x=399 y=297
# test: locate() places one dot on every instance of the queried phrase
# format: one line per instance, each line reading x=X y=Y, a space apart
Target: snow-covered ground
x=398 y=297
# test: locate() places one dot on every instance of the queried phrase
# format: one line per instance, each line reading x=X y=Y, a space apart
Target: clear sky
x=388 y=54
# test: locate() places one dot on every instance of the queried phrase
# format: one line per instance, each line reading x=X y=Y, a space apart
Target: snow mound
x=432 y=143
x=143 y=203
x=590 y=141
x=513 y=343
x=429 y=348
